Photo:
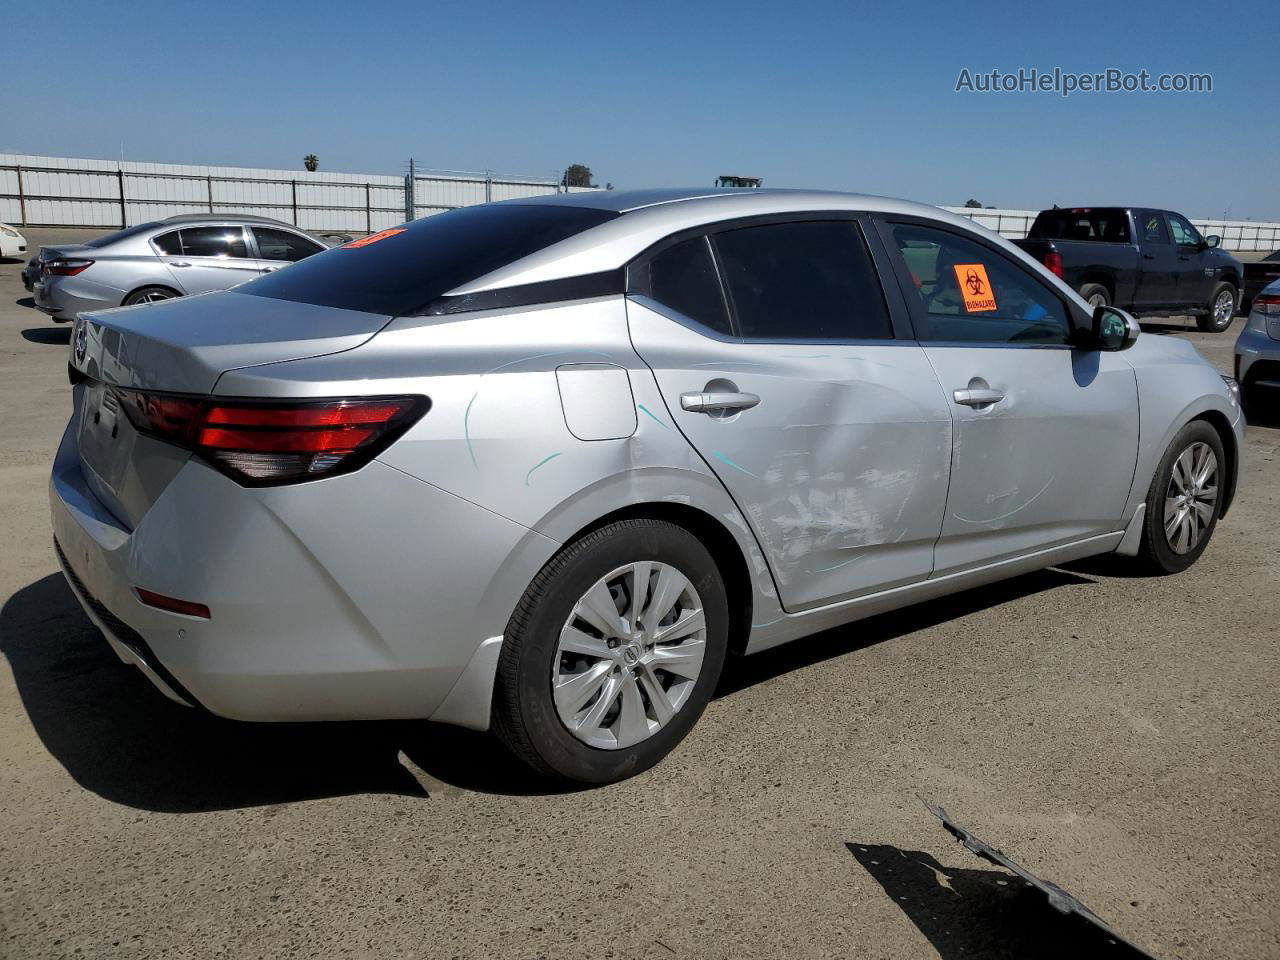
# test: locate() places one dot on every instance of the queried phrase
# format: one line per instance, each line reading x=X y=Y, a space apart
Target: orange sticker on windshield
x=372 y=238
x=975 y=287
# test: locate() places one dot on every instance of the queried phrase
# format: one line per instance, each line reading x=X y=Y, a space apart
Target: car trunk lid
x=182 y=347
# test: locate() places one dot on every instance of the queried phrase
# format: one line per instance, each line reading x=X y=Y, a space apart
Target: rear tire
x=588 y=738
x=1096 y=295
x=150 y=295
x=1221 y=309
x=1184 y=500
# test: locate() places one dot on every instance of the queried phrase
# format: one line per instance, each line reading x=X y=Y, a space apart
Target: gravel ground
x=1116 y=735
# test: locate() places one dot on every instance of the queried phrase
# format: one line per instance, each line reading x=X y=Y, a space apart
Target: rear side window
x=213 y=242
x=810 y=280
x=168 y=244
x=1104 y=226
x=402 y=270
x=283 y=245
x=683 y=277
x=1151 y=226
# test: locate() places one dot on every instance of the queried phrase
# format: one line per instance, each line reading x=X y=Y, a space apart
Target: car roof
x=223 y=218
x=647 y=216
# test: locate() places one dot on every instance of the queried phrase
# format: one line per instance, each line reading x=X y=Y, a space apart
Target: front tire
x=1184 y=500
x=613 y=653
x=1221 y=309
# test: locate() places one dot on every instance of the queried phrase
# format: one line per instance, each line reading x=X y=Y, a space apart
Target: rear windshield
x=1107 y=226
x=122 y=234
x=401 y=270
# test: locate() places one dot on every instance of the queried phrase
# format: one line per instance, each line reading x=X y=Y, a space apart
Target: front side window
x=1151 y=226
x=213 y=242
x=1184 y=234
x=283 y=245
x=683 y=277
x=808 y=280
x=970 y=293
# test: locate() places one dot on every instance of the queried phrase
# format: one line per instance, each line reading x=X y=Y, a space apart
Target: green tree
x=973 y=204
x=311 y=162
x=576 y=175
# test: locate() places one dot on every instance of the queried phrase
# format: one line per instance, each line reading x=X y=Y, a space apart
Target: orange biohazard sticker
x=372 y=238
x=975 y=287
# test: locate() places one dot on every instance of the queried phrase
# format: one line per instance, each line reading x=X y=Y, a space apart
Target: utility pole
x=410 y=186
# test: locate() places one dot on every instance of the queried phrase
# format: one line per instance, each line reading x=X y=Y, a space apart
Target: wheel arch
x=721 y=543
x=1222 y=426
x=146 y=286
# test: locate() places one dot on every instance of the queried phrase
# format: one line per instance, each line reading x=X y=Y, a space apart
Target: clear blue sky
x=655 y=93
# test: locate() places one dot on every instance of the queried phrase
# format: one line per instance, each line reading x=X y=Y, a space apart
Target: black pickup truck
x=1152 y=263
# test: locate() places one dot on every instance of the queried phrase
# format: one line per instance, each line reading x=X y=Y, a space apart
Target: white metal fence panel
x=60 y=191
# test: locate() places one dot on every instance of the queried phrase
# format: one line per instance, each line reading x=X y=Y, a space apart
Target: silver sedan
x=164 y=259
x=541 y=466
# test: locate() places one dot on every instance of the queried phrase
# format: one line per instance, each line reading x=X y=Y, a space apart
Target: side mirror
x=1113 y=329
x=1213 y=240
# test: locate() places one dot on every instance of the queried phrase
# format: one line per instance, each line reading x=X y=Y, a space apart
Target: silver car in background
x=540 y=466
x=1258 y=350
x=164 y=259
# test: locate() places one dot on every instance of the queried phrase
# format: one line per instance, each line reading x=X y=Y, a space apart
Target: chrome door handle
x=179 y=263
x=977 y=398
x=717 y=402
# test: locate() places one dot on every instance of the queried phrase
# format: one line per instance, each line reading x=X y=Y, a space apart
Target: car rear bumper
x=1257 y=358
x=358 y=597
x=64 y=297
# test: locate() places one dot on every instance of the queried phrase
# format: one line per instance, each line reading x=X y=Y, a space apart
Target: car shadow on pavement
x=966 y=913
x=119 y=737
x=60 y=336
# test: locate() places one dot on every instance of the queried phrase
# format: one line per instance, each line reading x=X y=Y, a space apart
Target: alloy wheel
x=1191 y=498
x=629 y=655
x=154 y=296
x=1223 y=307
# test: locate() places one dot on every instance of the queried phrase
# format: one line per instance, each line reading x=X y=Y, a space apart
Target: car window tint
x=402 y=270
x=810 y=280
x=1184 y=234
x=283 y=245
x=683 y=277
x=970 y=293
x=1151 y=226
x=214 y=242
x=1107 y=226
x=168 y=244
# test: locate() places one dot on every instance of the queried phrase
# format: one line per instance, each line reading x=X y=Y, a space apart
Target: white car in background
x=12 y=243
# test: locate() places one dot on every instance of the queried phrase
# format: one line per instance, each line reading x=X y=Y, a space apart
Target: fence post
x=22 y=197
x=124 y=218
x=209 y=184
x=368 y=211
x=410 y=201
x=294 y=186
x=488 y=186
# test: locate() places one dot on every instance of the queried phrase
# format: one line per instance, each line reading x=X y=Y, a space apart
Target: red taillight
x=1268 y=303
x=1053 y=262
x=263 y=442
x=187 y=608
x=64 y=267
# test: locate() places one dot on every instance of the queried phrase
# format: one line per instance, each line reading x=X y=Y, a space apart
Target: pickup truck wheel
x=1222 y=307
x=1096 y=295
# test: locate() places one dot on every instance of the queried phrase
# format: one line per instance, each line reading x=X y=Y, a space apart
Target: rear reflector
x=260 y=443
x=185 y=607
